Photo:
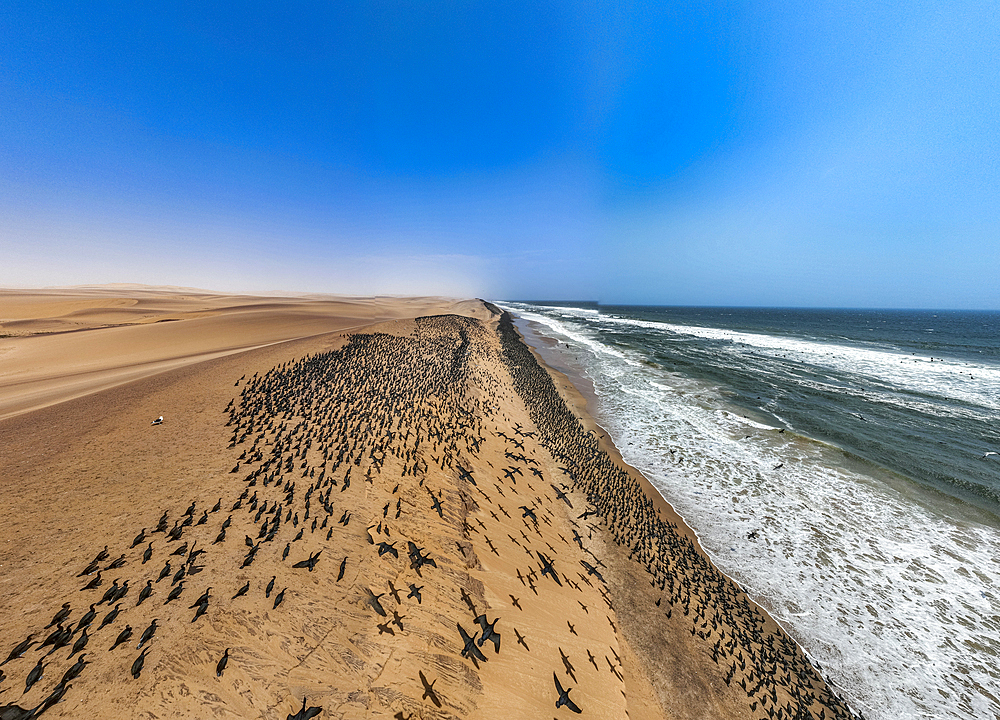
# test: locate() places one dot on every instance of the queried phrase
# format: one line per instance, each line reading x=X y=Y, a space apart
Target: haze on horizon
x=837 y=154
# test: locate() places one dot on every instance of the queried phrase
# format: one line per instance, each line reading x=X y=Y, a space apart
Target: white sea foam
x=898 y=597
x=579 y=338
x=973 y=383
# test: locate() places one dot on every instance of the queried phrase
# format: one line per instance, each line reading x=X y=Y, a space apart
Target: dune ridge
x=61 y=343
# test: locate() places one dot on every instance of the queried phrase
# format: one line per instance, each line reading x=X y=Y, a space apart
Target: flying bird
x=489 y=632
x=305 y=713
x=564 y=698
x=470 y=650
x=429 y=692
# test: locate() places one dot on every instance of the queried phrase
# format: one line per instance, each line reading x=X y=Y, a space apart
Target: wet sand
x=410 y=444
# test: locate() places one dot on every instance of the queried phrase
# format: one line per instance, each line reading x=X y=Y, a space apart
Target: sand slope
x=64 y=343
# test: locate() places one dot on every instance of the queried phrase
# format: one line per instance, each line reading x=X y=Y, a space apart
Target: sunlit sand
x=410 y=536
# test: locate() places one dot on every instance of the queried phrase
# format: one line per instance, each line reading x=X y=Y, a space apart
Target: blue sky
x=725 y=153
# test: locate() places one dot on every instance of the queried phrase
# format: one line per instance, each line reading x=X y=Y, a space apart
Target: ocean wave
x=892 y=587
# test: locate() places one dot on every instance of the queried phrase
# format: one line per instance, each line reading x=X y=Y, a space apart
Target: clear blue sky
x=830 y=153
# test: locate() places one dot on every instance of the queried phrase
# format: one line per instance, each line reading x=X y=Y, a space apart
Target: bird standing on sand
x=202 y=609
x=110 y=617
x=221 y=666
x=75 y=669
x=59 y=616
x=123 y=636
x=21 y=647
x=122 y=592
x=176 y=592
x=309 y=563
x=81 y=643
x=55 y=697
x=203 y=600
x=61 y=638
x=179 y=575
x=94 y=583
x=161 y=525
x=87 y=618
x=110 y=593
x=139 y=662
x=147 y=634
x=158 y=421
x=94 y=565
x=34 y=676
x=145 y=592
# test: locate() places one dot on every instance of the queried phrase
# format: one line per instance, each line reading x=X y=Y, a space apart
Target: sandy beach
x=374 y=507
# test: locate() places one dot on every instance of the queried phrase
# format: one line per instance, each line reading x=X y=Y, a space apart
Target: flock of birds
x=324 y=439
x=760 y=658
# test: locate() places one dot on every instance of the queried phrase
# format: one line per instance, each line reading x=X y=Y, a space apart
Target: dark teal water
x=914 y=391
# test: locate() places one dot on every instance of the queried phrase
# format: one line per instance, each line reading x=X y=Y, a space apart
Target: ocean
x=833 y=462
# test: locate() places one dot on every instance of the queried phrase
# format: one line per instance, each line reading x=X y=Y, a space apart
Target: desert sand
x=341 y=491
x=62 y=343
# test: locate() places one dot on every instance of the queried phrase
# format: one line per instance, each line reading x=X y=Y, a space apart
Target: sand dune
x=413 y=462
x=59 y=344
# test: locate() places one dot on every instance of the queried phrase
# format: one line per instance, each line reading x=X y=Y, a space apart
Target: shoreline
x=656 y=499
x=311 y=414
x=878 y=673
x=978 y=499
x=587 y=397
x=866 y=567
x=579 y=402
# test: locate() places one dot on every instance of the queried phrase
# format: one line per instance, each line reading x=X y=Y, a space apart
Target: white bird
x=986 y=455
x=158 y=421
